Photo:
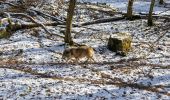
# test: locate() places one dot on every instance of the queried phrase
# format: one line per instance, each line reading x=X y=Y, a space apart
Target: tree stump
x=120 y=43
x=6 y=25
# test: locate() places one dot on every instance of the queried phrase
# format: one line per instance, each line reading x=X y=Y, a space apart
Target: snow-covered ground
x=89 y=81
x=139 y=6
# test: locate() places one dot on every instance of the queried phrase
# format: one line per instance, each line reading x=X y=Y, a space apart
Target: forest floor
x=36 y=71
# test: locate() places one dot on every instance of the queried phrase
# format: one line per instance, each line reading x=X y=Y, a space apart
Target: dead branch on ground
x=32 y=19
x=36 y=24
x=50 y=16
x=104 y=20
x=104 y=9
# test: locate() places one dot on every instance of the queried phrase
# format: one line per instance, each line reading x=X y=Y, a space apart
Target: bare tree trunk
x=161 y=2
x=150 y=18
x=68 y=39
x=130 y=9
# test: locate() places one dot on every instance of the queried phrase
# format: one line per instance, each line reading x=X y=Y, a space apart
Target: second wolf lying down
x=78 y=52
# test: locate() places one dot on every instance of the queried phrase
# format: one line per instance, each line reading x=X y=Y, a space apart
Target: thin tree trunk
x=68 y=39
x=161 y=2
x=130 y=9
x=150 y=18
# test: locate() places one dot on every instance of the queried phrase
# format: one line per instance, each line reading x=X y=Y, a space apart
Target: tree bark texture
x=150 y=18
x=68 y=39
x=130 y=9
x=161 y=2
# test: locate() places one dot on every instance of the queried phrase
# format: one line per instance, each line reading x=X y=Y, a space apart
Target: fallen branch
x=50 y=16
x=104 y=9
x=32 y=19
x=104 y=20
x=145 y=16
x=36 y=24
x=33 y=25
